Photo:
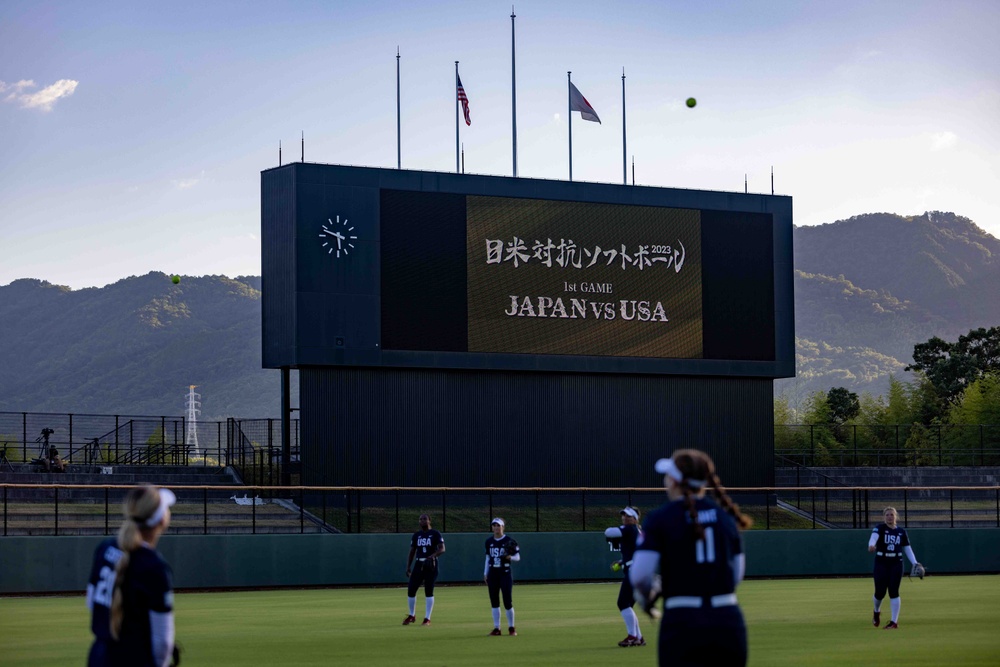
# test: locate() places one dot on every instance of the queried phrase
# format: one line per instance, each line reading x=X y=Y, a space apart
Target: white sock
x=631 y=622
x=430 y=606
x=510 y=617
x=496 y=617
x=894 y=604
x=413 y=604
x=878 y=603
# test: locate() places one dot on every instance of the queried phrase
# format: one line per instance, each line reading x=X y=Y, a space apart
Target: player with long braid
x=694 y=542
x=130 y=592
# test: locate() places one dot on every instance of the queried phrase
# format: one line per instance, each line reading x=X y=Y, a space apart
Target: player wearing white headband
x=130 y=592
x=501 y=551
x=694 y=543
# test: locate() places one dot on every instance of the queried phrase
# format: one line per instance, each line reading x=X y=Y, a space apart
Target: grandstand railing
x=253 y=446
x=72 y=509
x=123 y=439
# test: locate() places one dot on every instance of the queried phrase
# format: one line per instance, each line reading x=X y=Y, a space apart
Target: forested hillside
x=867 y=290
x=133 y=347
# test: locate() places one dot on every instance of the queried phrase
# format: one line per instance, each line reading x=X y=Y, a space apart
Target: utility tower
x=193 y=406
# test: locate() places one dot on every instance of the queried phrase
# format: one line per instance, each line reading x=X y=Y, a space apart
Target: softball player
x=695 y=543
x=889 y=542
x=130 y=592
x=501 y=551
x=426 y=544
x=626 y=537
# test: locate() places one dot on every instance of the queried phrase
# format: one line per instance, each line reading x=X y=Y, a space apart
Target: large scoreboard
x=385 y=268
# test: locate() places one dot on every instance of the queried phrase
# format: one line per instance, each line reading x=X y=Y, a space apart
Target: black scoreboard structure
x=480 y=331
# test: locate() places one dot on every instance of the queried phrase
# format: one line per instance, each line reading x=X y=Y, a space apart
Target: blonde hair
x=696 y=465
x=140 y=504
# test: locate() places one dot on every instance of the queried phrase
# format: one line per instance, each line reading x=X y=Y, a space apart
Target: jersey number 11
x=704 y=549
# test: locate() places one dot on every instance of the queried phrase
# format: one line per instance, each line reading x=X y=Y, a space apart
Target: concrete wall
x=61 y=564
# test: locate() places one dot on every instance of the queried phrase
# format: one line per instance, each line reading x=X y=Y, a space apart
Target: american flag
x=463 y=99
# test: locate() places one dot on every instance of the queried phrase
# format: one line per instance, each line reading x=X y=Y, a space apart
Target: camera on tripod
x=47 y=432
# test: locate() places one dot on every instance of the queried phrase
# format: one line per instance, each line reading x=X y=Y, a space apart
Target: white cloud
x=188 y=183
x=943 y=140
x=41 y=100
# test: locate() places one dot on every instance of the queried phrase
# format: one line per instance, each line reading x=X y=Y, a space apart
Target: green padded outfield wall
x=61 y=564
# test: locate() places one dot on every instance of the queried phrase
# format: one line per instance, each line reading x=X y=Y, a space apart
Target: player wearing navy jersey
x=695 y=544
x=130 y=591
x=501 y=551
x=426 y=544
x=889 y=542
x=624 y=538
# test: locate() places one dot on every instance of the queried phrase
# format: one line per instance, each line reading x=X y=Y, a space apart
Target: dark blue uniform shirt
x=890 y=542
x=425 y=542
x=102 y=578
x=688 y=566
x=495 y=550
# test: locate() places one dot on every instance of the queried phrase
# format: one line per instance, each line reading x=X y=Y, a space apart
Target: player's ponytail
x=698 y=471
x=140 y=504
x=689 y=503
x=742 y=520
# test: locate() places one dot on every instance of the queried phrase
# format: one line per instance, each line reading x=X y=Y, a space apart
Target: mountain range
x=867 y=289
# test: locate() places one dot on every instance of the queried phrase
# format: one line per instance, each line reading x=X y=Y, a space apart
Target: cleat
x=628 y=641
x=891 y=625
x=408 y=620
x=639 y=642
x=496 y=632
x=876 y=618
x=511 y=631
x=427 y=621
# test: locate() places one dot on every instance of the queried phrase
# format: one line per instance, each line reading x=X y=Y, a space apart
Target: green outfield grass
x=944 y=621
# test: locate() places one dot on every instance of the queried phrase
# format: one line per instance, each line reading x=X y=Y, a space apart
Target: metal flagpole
x=569 y=105
x=513 y=89
x=399 y=152
x=456 y=118
x=624 y=152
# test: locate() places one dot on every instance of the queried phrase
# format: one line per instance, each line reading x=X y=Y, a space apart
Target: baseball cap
x=628 y=511
x=499 y=521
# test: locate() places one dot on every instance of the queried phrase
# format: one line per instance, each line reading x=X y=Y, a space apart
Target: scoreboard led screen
x=394 y=268
x=555 y=277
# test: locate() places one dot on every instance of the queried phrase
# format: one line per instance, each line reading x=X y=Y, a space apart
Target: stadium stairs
x=926 y=506
x=30 y=511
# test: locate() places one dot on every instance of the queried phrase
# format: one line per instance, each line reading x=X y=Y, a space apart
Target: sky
x=132 y=135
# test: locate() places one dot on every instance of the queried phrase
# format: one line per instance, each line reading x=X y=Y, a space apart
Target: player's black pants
x=425 y=573
x=625 y=596
x=499 y=582
x=98 y=656
x=888 y=573
x=713 y=637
